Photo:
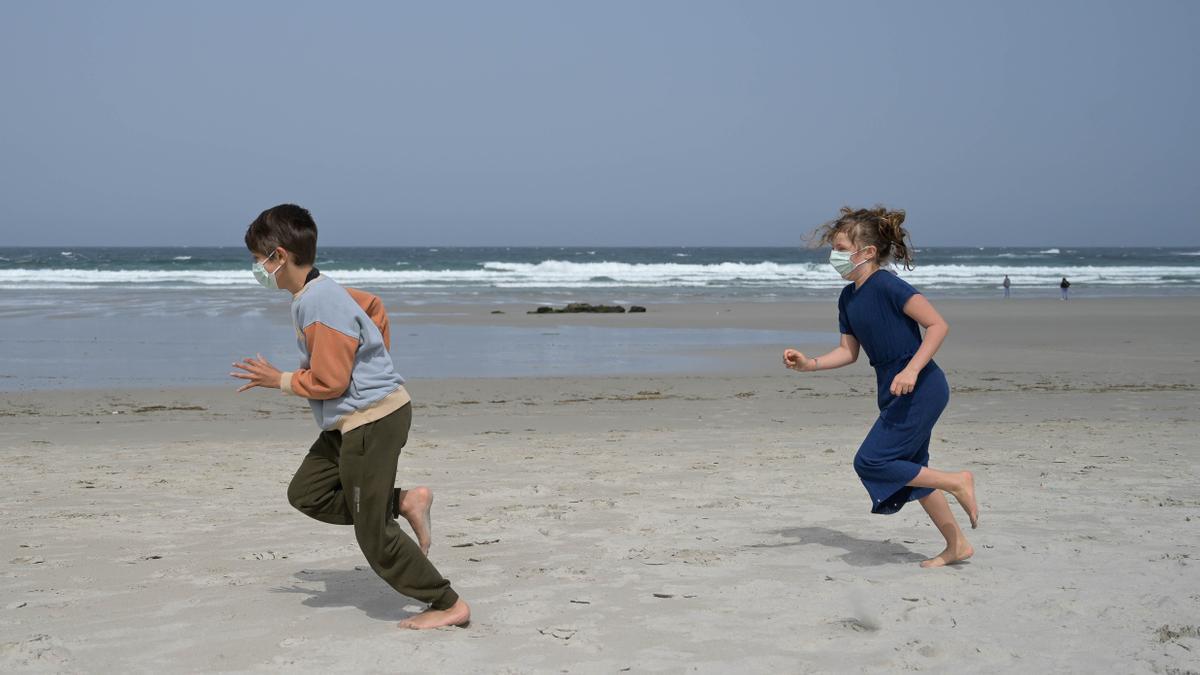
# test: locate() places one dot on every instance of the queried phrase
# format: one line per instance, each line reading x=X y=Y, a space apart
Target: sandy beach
x=694 y=522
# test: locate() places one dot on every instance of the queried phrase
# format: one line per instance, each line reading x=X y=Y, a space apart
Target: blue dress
x=898 y=444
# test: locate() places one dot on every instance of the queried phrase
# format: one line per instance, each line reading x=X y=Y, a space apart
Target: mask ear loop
x=268 y=258
x=859 y=264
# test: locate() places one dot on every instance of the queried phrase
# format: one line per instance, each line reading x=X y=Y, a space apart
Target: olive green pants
x=348 y=480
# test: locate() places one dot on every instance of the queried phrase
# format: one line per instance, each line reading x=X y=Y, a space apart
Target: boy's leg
x=368 y=473
x=316 y=489
x=415 y=505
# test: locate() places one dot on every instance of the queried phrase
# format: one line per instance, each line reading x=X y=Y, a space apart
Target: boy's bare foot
x=965 y=495
x=415 y=505
x=950 y=556
x=459 y=615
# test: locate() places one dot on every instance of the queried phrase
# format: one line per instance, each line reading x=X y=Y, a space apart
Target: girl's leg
x=957 y=547
x=961 y=484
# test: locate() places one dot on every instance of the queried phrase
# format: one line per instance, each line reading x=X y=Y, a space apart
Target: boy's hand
x=904 y=382
x=794 y=360
x=259 y=371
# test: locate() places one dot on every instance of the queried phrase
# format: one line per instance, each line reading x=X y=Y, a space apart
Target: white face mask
x=840 y=260
x=267 y=279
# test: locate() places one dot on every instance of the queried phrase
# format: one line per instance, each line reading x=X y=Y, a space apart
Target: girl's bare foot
x=415 y=505
x=965 y=495
x=459 y=615
x=950 y=556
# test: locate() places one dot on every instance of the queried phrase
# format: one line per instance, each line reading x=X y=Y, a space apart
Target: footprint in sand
x=564 y=634
x=37 y=652
x=858 y=625
x=264 y=555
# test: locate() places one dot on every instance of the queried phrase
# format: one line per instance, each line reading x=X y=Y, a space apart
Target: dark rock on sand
x=581 y=308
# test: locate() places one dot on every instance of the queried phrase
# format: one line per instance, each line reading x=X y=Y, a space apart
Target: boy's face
x=273 y=261
x=276 y=256
x=266 y=268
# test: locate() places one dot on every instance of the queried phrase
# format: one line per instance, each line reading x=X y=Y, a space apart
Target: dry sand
x=706 y=523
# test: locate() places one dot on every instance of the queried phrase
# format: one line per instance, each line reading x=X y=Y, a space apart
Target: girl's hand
x=260 y=373
x=794 y=360
x=904 y=382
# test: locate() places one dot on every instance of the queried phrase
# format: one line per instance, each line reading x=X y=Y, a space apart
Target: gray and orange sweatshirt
x=345 y=370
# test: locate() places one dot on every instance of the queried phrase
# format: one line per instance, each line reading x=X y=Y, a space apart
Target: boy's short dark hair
x=286 y=225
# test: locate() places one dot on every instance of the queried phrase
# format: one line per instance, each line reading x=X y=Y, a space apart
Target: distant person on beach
x=884 y=314
x=1063 y=286
x=1007 y=286
x=362 y=407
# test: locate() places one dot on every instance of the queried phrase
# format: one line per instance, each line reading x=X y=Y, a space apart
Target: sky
x=614 y=123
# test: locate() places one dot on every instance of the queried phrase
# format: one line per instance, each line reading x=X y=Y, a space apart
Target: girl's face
x=841 y=242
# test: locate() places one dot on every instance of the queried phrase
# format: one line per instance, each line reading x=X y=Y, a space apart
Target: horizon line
x=597 y=246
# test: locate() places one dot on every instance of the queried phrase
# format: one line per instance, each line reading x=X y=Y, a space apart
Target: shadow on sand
x=358 y=587
x=858 y=552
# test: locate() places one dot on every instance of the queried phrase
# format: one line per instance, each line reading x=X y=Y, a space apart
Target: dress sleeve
x=843 y=320
x=900 y=291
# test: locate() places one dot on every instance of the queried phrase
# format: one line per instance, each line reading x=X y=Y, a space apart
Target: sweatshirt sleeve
x=374 y=308
x=331 y=359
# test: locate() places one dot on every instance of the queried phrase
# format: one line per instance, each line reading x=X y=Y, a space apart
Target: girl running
x=884 y=314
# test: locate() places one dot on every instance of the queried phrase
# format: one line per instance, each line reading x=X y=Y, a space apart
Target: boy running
x=362 y=407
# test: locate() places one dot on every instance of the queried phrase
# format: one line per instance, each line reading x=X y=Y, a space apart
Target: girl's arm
x=936 y=329
x=842 y=355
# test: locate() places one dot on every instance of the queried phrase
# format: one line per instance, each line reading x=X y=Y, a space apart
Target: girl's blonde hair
x=878 y=227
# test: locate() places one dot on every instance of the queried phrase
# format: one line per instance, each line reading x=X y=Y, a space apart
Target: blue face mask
x=267 y=279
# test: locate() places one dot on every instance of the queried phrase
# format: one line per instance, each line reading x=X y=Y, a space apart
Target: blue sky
x=603 y=123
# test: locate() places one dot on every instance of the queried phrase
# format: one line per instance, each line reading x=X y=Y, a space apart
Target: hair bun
x=894 y=218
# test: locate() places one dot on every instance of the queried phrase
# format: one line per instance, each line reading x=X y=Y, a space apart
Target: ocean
x=74 y=317
x=450 y=274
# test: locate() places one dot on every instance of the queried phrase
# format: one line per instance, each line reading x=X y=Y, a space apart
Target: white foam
x=1021 y=256
x=563 y=274
x=46 y=287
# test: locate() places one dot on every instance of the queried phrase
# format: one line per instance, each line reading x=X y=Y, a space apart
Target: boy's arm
x=331 y=358
x=374 y=308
